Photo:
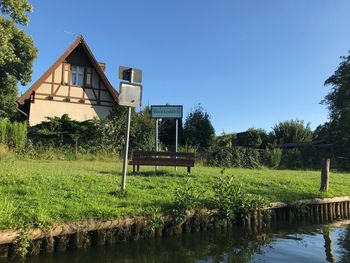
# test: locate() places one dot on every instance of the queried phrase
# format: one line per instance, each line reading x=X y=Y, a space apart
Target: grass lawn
x=41 y=193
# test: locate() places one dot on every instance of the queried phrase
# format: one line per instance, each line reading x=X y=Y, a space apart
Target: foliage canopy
x=198 y=130
x=337 y=130
x=17 y=53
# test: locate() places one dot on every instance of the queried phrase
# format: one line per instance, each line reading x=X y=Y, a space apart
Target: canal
x=284 y=243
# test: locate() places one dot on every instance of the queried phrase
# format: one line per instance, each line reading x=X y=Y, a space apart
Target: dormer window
x=77 y=76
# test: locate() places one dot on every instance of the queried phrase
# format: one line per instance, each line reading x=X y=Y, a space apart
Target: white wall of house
x=47 y=105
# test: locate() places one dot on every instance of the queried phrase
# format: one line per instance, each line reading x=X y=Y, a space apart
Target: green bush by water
x=232 y=201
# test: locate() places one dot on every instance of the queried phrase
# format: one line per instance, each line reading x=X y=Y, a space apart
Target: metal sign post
x=156 y=140
x=126 y=149
x=167 y=112
x=176 y=136
x=130 y=95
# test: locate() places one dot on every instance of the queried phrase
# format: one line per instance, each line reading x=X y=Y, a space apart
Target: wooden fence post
x=325 y=163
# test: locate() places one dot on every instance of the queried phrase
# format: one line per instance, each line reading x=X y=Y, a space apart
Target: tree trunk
x=325 y=163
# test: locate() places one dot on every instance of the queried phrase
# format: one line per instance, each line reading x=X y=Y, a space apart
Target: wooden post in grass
x=325 y=164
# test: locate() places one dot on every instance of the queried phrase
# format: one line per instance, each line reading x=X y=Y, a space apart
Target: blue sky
x=248 y=63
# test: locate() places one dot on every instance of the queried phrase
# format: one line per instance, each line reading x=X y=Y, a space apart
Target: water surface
x=316 y=243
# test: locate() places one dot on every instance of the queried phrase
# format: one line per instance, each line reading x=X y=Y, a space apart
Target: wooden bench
x=162 y=159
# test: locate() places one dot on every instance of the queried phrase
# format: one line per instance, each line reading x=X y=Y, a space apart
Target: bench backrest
x=170 y=155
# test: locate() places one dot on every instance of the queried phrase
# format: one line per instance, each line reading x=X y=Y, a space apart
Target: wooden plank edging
x=10 y=236
x=314 y=201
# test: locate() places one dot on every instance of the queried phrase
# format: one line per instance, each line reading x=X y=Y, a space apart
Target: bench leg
x=188 y=170
x=138 y=168
x=133 y=168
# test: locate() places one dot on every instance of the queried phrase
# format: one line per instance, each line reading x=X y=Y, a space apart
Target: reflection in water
x=344 y=244
x=328 y=245
x=282 y=244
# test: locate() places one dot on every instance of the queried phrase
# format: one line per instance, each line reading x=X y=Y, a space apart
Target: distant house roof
x=79 y=41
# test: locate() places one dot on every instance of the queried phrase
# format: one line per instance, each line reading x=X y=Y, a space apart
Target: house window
x=88 y=79
x=77 y=76
x=65 y=78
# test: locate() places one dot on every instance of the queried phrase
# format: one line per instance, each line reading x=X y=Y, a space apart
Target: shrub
x=187 y=197
x=14 y=135
x=292 y=159
x=311 y=157
x=17 y=135
x=234 y=157
x=272 y=157
x=292 y=131
x=231 y=201
x=4 y=127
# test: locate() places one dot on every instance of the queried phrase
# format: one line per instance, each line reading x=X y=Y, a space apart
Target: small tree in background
x=167 y=131
x=253 y=138
x=291 y=131
x=143 y=131
x=198 y=130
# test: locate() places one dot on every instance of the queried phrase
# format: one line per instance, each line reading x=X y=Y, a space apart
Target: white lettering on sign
x=166 y=112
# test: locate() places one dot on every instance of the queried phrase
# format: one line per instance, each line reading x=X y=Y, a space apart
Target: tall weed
x=4 y=127
x=231 y=201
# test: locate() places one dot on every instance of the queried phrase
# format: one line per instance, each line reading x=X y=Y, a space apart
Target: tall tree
x=337 y=130
x=198 y=130
x=17 y=53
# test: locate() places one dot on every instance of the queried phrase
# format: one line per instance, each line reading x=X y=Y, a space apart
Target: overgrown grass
x=41 y=193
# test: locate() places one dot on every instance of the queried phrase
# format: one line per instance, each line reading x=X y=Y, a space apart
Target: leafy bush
x=253 y=138
x=292 y=159
x=95 y=136
x=291 y=131
x=231 y=201
x=272 y=157
x=234 y=157
x=311 y=157
x=187 y=196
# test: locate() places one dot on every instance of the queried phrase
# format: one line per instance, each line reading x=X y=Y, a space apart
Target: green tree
x=291 y=131
x=143 y=131
x=254 y=138
x=337 y=130
x=198 y=130
x=17 y=53
x=167 y=132
x=226 y=140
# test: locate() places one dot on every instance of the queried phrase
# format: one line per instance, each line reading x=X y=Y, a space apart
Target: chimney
x=102 y=65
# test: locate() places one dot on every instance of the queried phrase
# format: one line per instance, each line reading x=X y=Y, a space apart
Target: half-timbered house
x=75 y=84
